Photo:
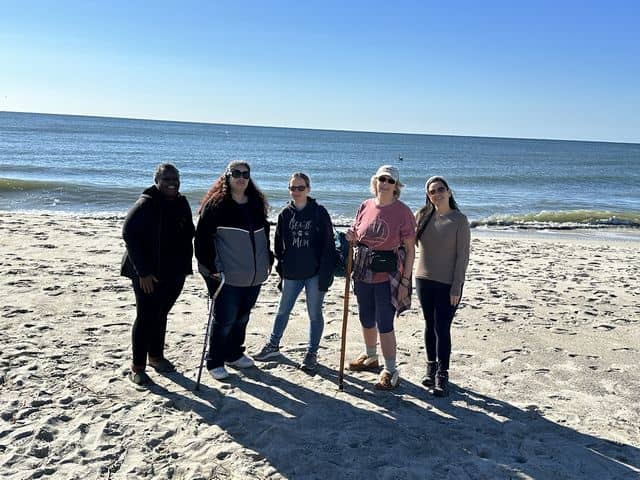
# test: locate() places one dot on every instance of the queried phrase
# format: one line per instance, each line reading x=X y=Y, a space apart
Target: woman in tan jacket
x=443 y=239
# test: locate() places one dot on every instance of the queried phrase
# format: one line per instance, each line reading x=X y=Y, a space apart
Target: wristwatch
x=405 y=281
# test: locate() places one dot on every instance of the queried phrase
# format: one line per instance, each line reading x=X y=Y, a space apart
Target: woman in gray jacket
x=232 y=237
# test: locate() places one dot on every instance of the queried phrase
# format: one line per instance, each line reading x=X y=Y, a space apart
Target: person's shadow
x=407 y=433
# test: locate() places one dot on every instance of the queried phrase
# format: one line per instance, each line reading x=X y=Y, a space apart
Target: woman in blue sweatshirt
x=305 y=250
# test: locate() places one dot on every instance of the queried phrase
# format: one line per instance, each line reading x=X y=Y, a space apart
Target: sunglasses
x=388 y=180
x=440 y=189
x=297 y=188
x=170 y=178
x=240 y=173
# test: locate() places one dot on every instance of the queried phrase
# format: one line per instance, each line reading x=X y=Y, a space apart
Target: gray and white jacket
x=234 y=238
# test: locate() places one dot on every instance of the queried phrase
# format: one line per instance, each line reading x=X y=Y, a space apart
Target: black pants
x=149 y=329
x=232 y=308
x=438 y=314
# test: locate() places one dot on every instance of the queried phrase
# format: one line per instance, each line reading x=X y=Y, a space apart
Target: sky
x=538 y=69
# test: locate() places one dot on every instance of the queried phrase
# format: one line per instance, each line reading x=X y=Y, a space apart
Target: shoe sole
x=387 y=389
x=142 y=380
x=428 y=383
x=364 y=368
x=264 y=358
x=233 y=365
x=218 y=377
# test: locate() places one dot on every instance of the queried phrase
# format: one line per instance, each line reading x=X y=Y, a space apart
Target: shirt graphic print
x=377 y=232
x=300 y=233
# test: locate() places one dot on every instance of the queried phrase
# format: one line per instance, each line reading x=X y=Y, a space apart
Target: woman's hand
x=351 y=236
x=454 y=299
x=403 y=291
x=146 y=283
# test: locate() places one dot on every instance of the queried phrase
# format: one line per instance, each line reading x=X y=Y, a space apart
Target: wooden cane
x=345 y=315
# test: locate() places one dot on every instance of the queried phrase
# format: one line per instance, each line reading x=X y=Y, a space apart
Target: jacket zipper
x=255 y=261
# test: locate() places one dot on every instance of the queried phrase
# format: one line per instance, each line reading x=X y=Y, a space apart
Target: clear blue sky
x=541 y=69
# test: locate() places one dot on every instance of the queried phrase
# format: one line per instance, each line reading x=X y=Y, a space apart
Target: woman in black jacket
x=233 y=238
x=158 y=234
x=305 y=251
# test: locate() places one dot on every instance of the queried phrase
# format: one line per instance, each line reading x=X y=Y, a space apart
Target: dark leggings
x=149 y=329
x=374 y=305
x=438 y=314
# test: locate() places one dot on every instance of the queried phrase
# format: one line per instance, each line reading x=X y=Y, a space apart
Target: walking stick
x=345 y=315
x=212 y=316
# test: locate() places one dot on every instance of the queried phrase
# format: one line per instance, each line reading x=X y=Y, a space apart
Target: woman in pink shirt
x=384 y=236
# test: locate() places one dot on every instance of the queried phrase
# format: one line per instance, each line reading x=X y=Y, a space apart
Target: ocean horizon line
x=372 y=132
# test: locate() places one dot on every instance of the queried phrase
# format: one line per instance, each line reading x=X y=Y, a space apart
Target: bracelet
x=408 y=281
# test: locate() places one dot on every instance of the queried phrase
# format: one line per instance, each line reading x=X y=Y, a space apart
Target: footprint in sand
x=562 y=331
x=604 y=327
x=16 y=312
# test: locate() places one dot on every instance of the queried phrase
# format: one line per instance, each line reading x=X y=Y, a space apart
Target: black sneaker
x=429 y=379
x=441 y=388
x=267 y=352
x=310 y=363
x=161 y=365
x=139 y=378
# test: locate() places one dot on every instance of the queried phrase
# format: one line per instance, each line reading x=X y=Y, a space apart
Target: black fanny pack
x=384 y=261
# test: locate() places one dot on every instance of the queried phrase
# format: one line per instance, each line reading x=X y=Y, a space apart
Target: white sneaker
x=243 y=362
x=219 y=373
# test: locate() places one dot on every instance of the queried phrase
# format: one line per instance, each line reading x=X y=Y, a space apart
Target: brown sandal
x=388 y=380
x=363 y=362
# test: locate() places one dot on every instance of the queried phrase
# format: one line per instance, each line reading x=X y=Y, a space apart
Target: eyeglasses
x=241 y=173
x=297 y=188
x=440 y=189
x=388 y=180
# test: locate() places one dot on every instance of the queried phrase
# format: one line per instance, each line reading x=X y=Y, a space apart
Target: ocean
x=99 y=166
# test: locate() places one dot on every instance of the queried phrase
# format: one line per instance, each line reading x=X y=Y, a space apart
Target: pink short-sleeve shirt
x=383 y=227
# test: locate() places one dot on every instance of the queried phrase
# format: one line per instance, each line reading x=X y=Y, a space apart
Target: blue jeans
x=290 y=291
x=228 y=331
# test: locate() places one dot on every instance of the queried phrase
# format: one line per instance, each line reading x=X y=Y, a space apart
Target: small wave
x=563 y=220
x=17 y=185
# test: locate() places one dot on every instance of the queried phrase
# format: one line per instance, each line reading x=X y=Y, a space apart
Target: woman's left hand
x=454 y=299
x=403 y=291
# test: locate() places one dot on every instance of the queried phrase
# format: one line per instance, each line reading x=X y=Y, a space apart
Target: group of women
x=232 y=240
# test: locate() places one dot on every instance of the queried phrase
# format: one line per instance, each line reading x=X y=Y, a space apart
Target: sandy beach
x=545 y=375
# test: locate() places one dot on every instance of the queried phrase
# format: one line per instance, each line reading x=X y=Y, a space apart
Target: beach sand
x=544 y=370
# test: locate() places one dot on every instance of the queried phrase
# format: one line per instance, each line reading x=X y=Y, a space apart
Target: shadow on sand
x=405 y=434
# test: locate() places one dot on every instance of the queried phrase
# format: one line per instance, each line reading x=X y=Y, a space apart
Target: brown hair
x=426 y=212
x=303 y=176
x=221 y=190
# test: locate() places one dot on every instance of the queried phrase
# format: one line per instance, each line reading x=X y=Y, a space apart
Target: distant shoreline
x=603 y=234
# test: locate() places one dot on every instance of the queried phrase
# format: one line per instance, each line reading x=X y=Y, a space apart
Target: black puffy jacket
x=158 y=234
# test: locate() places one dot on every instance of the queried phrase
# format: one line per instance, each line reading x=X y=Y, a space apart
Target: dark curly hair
x=221 y=190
